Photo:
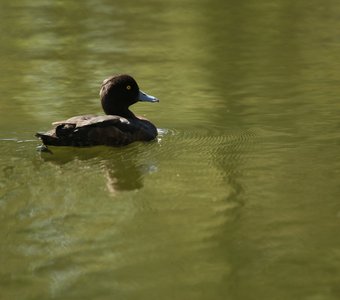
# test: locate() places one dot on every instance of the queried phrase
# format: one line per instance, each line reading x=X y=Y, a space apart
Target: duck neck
x=128 y=114
x=122 y=112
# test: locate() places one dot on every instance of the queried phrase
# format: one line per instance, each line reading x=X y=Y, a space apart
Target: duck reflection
x=124 y=168
x=123 y=175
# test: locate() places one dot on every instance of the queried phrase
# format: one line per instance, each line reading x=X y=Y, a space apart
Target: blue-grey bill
x=145 y=97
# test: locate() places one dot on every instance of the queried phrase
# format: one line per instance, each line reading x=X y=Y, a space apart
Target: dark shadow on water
x=123 y=167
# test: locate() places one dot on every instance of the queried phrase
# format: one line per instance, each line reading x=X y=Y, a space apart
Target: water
x=238 y=196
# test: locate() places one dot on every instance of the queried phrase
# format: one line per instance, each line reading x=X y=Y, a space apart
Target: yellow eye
x=128 y=87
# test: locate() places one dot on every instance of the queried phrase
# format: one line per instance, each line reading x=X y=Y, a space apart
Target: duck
x=118 y=127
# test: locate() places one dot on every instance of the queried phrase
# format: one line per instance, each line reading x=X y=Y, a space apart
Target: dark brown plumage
x=119 y=127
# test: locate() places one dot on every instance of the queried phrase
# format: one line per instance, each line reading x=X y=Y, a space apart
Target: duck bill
x=146 y=98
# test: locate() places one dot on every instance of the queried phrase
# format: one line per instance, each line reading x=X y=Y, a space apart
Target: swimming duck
x=117 y=128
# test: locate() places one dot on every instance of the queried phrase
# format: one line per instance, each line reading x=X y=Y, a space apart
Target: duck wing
x=89 y=130
x=91 y=120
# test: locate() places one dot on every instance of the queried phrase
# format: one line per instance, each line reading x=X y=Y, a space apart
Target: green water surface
x=237 y=199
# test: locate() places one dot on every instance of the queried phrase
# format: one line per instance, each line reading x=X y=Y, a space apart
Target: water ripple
x=206 y=142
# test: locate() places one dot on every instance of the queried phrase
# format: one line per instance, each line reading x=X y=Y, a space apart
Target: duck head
x=118 y=92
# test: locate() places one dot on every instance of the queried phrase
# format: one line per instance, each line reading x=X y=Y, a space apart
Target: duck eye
x=128 y=87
